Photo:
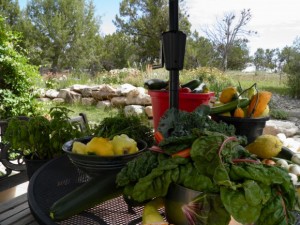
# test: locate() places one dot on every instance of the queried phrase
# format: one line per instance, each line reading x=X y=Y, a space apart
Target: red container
x=187 y=102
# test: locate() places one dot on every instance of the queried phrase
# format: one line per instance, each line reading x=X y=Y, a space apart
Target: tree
x=116 y=51
x=17 y=76
x=292 y=67
x=10 y=10
x=270 y=58
x=199 y=51
x=259 y=59
x=145 y=21
x=226 y=31
x=239 y=56
x=63 y=31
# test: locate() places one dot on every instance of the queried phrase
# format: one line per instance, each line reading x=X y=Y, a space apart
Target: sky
x=277 y=22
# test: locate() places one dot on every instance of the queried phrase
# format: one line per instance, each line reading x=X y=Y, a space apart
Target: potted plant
x=40 y=139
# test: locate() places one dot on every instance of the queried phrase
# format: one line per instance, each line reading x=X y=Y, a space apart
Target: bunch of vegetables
x=243 y=103
x=233 y=181
x=193 y=86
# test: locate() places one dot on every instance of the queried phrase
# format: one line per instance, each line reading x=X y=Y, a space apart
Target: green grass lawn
x=95 y=115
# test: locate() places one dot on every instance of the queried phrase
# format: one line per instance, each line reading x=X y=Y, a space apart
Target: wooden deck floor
x=16 y=212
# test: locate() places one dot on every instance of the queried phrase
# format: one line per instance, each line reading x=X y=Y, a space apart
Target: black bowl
x=95 y=165
x=249 y=127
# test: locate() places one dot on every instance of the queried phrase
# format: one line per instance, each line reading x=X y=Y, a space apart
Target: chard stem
x=232 y=138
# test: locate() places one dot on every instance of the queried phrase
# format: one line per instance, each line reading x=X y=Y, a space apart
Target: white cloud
x=277 y=22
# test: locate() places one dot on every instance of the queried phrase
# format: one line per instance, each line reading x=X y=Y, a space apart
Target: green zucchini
x=192 y=84
x=156 y=84
x=243 y=102
x=285 y=153
x=91 y=193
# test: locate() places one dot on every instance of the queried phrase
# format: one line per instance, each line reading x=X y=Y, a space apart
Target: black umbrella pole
x=174 y=74
x=173 y=15
x=173 y=89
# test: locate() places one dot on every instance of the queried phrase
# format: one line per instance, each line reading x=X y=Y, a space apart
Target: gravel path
x=288 y=104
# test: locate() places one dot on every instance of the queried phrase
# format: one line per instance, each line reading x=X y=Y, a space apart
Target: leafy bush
x=17 y=77
x=214 y=78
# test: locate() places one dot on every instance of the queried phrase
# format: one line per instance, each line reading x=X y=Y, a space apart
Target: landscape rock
x=133 y=110
x=275 y=127
x=87 y=92
x=103 y=104
x=148 y=111
x=138 y=96
x=124 y=89
x=58 y=100
x=88 y=101
x=78 y=87
x=73 y=97
x=118 y=101
x=105 y=92
x=51 y=93
x=63 y=92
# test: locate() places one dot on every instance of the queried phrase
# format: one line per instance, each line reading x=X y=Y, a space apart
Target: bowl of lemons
x=103 y=156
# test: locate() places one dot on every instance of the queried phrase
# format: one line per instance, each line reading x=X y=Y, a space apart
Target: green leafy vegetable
x=133 y=126
x=221 y=167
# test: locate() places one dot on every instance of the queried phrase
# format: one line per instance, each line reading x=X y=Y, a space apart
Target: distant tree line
x=66 y=34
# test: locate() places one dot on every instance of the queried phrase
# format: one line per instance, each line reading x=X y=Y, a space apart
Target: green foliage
x=134 y=126
x=214 y=78
x=10 y=10
x=278 y=114
x=17 y=77
x=62 y=33
x=239 y=56
x=199 y=52
x=293 y=69
x=116 y=51
x=145 y=21
x=39 y=137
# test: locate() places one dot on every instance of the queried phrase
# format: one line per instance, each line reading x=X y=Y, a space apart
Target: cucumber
x=91 y=193
x=156 y=84
x=285 y=153
x=192 y=84
x=243 y=102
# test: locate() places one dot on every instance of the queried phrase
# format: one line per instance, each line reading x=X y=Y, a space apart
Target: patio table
x=57 y=178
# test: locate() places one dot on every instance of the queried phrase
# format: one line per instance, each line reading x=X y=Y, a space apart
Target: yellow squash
x=228 y=94
x=239 y=112
x=259 y=103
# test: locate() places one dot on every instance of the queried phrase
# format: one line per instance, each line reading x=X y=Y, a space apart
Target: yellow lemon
x=265 y=146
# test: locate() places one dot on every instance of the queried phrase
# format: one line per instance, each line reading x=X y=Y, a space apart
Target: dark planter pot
x=178 y=196
x=249 y=127
x=32 y=165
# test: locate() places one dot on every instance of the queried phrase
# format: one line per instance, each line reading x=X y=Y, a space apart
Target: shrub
x=17 y=77
x=214 y=78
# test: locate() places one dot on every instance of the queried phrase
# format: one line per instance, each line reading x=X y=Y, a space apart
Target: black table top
x=57 y=178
